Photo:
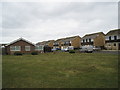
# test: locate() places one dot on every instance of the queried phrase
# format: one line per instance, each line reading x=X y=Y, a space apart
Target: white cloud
x=45 y=21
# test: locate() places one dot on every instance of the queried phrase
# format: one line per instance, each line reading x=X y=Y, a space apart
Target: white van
x=88 y=49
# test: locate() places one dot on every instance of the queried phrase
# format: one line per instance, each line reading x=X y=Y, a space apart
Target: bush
x=34 y=53
x=18 y=53
x=71 y=51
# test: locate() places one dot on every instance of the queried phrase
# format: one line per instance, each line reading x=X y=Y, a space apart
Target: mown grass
x=60 y=70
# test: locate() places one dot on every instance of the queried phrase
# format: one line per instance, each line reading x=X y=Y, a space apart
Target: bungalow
x=66 y=42
x=95 y=39
x=20 y=45
x=112 y=40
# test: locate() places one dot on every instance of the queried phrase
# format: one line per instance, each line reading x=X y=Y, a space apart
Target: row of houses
x=110 y=41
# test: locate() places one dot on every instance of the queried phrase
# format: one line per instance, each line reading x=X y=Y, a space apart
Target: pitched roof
x=70 y=38
x=93 y=35
x=19 y=40
x=44 y=42
x=58 y=40
x=113 y=32
x=66 y=39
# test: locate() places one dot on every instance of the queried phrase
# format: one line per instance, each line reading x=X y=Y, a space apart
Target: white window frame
x=14 y=48
x=27 y=48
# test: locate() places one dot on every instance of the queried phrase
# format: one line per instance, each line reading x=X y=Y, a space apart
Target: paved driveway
x=106 y=51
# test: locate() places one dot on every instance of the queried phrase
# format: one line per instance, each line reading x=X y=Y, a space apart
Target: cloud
x=45 y=21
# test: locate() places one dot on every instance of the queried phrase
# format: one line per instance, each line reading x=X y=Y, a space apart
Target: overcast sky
x=40 y=21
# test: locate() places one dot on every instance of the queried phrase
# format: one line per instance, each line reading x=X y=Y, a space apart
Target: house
x=39 y=48
x=46 y=43
x=68 y=41
x=45 y=46
x=20 y=45
x=71 y=41
x=2 y=49
x=112 y=40
x=57 y=44
x=94 y=39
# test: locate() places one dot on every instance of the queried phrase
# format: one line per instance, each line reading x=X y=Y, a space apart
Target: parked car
x=88 y=49
x=54 y=49
x=68 y=48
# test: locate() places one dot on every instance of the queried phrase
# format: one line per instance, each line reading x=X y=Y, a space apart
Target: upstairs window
x=89 y=40
x=15 y=48
x=109 y=37
x=83 y=40
x=27 y=48
x=55 y=43
x=115 y=37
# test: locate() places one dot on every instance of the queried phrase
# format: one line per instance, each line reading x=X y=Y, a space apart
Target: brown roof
x=70 y=38
x=93 y=35
x=114 y=32
x=66 y=39
x=44 y=42
x=58 y=40
x=19 y=40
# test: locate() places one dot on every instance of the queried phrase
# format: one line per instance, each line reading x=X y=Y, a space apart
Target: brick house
x=20 y=45
x=46 y=43
x=112 y=40
x=68 y=41
x=94 y=39
x=57 y=44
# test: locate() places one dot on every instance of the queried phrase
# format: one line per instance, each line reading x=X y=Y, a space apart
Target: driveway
x=108 y=51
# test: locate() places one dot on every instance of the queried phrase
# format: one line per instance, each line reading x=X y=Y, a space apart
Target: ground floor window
x=15 y=48
x=27 y=48
x=114 y=44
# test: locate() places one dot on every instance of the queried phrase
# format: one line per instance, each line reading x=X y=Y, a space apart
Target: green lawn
x=60 y=70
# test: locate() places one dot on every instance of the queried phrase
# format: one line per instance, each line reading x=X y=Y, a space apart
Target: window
x=27 y=48
x=114 y=44
x=15 y=48
x=55 y=44
x=39 y=48
x=115 y=37
x=109 y=37
x=89 y=40
x=86 y=40
x=83 y=40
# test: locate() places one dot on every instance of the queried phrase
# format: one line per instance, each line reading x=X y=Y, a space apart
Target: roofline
x=111 y=31
x=92 y=34
x=45 y=41
x=19 y=40
x=66 y=38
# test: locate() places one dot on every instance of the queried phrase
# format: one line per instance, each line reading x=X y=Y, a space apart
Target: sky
x=41 y=21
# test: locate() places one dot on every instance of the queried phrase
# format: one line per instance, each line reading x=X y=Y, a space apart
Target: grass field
x=60 y=70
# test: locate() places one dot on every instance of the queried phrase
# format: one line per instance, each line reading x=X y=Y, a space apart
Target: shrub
x=18 y=53
x=34 y=53
x=71 y=51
